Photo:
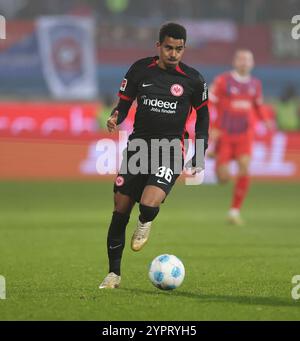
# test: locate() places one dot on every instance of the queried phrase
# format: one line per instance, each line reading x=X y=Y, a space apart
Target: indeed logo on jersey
x=158 y=105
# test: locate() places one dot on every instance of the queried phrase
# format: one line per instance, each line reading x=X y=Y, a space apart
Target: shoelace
x=108 y=278
x=142 y=232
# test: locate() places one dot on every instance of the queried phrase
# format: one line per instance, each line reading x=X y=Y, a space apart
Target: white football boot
x=140 y=235
x=111 y=281
x=234 y=217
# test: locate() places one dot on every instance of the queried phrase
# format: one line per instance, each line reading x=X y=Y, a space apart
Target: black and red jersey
x=164 y=97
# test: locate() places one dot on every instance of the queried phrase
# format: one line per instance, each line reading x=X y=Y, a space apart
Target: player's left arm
x=200 y=104
x=258 y=105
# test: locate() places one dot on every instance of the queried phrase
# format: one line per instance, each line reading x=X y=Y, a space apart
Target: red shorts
x=228 y=149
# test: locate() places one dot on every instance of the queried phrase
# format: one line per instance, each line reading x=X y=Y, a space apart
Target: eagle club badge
x=176 y=90
x=119 y=180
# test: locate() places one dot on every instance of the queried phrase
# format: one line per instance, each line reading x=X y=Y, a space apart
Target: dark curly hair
x=172 y=30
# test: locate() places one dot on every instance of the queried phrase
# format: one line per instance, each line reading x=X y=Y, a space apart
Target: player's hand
x=211 y=150
x=191 y=167
x=211 y=154
x=270 y=125
x=112 y=122
x=214 y=134
x=196 y=170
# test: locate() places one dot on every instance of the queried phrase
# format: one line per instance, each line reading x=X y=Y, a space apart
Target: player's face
x=170 y=52
x=243 y=62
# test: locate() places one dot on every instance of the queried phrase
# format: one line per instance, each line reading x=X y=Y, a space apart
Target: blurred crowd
x=127 y=29
x=243 y=11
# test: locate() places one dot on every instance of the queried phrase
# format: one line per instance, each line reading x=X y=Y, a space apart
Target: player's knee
x=152 y=200
x=223 y=174
x=223 y=178
x=122 y=206
x=148 y=213
x=243 y=171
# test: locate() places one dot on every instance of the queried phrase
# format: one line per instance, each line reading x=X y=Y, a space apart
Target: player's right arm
x=216 y=92
x=127 y=94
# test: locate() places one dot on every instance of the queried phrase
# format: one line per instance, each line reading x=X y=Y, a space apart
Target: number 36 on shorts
x=166 y=173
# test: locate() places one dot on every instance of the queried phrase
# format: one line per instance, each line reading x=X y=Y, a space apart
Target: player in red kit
x=237 y=99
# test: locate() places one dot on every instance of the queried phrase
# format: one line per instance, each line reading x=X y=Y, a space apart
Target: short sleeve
x=128 y=88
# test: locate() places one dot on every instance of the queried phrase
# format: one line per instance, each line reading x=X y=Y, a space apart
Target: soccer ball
x=166 y=272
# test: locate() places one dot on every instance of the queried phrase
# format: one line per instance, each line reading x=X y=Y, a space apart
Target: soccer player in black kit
x=165 y=90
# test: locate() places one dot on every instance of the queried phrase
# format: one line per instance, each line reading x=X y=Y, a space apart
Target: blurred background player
x=237 y=98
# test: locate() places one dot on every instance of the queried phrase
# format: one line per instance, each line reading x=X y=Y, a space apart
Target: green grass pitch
x=53 y=254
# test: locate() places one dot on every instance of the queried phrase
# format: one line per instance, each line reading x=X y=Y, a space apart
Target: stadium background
x=61 y=65
x=59 y=79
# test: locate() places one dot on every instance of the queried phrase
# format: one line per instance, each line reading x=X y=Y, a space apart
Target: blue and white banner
x=67 y=50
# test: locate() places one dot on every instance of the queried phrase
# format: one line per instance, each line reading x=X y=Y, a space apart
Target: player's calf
x=116 y=241
x=223 y=179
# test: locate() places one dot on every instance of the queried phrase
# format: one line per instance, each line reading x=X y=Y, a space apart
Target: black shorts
x=164 y=175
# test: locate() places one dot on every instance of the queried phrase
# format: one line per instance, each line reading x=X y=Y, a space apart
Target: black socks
x=147 y=213
x=116 y=241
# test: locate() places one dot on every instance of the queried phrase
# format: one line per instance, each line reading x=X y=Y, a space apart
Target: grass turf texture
x=53 y=254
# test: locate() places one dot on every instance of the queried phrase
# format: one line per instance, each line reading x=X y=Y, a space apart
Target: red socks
x=240 y=191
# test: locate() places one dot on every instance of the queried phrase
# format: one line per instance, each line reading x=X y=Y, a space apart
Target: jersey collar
x=241 y=79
